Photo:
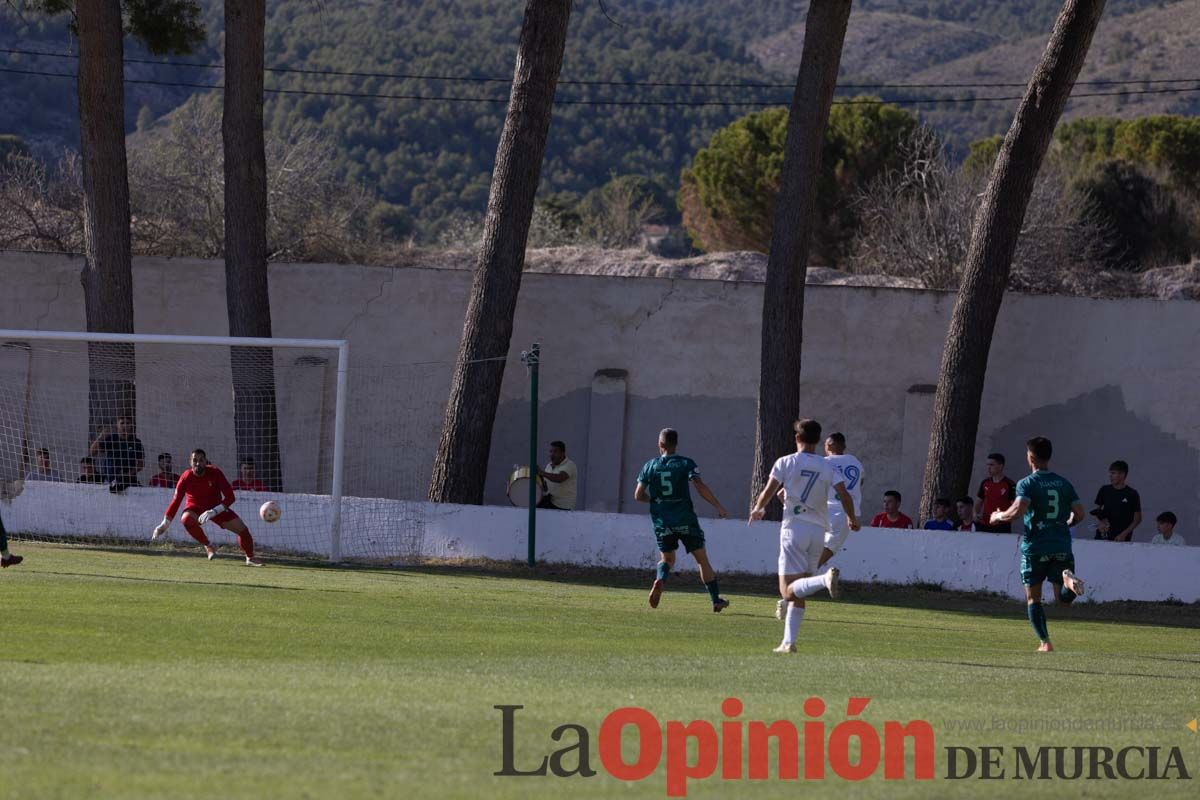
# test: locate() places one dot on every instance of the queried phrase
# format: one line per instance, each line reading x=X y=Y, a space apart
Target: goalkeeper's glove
x=161 y=529
x=212 y=512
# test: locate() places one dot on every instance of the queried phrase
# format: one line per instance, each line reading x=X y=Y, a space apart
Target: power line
x=660 y=84
x=571 y=102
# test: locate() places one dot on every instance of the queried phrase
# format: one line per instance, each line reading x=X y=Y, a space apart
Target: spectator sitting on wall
x=891 y=516
x=1103 y=525
x=1121 y=501
x=166 y=477
x=121 y=454
x=88 y=472
x=996 y=493
x=562 y=477
x=43 y=471
x=940 y=521
x=1166 y=530
x=246 y=480
x=966 y=513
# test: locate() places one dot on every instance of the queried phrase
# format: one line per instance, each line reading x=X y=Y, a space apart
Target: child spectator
x=941 y=512
x=43 y=471
x=891 y=517
x=1103 y=525
x=966 y=513
x=88 y=472
x=1166 y=530
x=166 y=477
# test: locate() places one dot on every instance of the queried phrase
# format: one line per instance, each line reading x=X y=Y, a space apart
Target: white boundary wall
x=973 y=562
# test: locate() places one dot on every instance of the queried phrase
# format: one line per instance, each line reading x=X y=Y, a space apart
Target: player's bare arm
x=760 y=505
x=641 y=494
x=710 y=498
x=1077 y=515
x=94 y=448
x=847 y=506
x=1012 y=512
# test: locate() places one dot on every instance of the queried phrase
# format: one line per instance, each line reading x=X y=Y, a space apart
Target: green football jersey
x=668 y=480
x=1050 y=499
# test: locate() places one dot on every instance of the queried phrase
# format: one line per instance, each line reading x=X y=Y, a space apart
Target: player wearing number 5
x=209 y=496
x=1051 y=507
x=664 y=484
x=807 y=480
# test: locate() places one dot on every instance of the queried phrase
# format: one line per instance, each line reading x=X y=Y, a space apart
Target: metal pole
x=532 y=359
x=339 y=451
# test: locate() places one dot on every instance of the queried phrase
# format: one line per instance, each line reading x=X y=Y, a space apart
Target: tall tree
x=255 y=419
x=460 y=467
x=165 y=26
x=989 y=258
x=787 y=261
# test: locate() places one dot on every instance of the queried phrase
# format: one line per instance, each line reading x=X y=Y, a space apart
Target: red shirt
x=249 y=486
x=881 y=521
x=161 y=481
x=996 y=495
x=202 y=491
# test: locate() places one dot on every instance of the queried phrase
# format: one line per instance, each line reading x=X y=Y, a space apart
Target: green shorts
x=670 y=537
x=1035 y=569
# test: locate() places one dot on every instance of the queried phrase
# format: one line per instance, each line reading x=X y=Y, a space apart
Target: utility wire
x=647 y=103
x=667 y=84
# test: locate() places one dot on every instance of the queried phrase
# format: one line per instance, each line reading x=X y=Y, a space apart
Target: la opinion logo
x=738 y=748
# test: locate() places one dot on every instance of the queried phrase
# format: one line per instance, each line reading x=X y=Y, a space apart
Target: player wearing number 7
x=664 y=484
x=807 y=480
x=209 y=496
x=1051 y=507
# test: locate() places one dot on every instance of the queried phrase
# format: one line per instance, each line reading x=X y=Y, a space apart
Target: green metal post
x=532 y=359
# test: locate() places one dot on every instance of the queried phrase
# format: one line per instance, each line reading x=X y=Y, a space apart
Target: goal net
x=95 y=432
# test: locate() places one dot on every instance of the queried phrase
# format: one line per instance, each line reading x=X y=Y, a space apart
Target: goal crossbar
x=342 y=346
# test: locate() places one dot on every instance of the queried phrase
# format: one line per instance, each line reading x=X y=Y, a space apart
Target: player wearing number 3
x=664 y=484
x=1051 y=507
x=807 y=480
x=209 y=496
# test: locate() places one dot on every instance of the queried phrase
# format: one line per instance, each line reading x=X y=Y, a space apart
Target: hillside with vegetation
x=429 y=156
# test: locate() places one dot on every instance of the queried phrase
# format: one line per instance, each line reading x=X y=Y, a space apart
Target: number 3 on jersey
x=1052 y=497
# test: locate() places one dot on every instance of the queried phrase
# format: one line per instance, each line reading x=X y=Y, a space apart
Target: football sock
x=1037 y=618
x=3 y=539
x=791 y=623
x=712 y=590
x=196 y=531
x=803 y=587
x=1065 y=595
x=664 y=569
x=247 y=543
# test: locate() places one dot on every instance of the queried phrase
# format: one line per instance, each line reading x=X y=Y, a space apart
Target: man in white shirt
x=806 y=479
x=560 y=478
x=849 y=470
x=1166 y=530
x=43 y=471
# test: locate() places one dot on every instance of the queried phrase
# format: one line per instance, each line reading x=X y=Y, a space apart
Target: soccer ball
x=269 y=511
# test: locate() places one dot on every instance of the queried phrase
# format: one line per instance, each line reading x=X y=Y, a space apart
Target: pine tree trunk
x=460 y=467
x=108 y=272
x=247 y=299
x=989 y=257
x=787 y=262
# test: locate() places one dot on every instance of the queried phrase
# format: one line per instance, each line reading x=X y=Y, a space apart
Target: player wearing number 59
x=664 y=484
x=209 y=496
x=1051 y=508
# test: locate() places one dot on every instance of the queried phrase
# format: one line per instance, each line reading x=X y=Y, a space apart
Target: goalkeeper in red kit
x=209 y=496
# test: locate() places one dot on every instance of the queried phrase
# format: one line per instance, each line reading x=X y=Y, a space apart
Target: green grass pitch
x=131 y=674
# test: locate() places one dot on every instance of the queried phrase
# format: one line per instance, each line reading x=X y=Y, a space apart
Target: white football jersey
x=849 y=471
x=807 y=479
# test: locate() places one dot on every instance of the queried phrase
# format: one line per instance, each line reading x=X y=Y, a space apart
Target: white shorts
x=800 y=548
x=839 y=529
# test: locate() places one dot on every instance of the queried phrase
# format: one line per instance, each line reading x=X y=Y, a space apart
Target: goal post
x=173 y=393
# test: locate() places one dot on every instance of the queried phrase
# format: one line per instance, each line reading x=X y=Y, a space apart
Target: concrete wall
x=392 y=529
x=1105 y=379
